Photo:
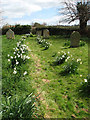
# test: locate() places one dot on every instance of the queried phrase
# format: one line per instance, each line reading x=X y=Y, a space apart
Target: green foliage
x=31 y=35
x=71 y=66
x=18 y=29
x=82 y=43
x=67 y=43
x=19 y=55
x=60 y=58
x=59 y=94
x=86 y=84
x=18 y=108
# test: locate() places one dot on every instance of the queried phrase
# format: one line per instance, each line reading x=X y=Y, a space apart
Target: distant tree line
x=18 y=29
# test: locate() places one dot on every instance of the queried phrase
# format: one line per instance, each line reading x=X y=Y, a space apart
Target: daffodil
x=85 y=80
x=25 y=73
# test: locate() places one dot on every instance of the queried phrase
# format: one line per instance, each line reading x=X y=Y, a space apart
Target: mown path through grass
x=38 y=83
x=59 y=95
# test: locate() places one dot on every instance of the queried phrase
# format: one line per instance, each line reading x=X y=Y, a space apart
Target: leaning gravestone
x=75 y=39
x=46 y=33
x=39 y=33
x=10 y=34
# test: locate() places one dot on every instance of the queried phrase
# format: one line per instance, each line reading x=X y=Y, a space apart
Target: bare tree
x=79 y=11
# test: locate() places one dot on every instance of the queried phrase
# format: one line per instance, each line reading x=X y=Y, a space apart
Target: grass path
x=59 y=96
x=38 y=84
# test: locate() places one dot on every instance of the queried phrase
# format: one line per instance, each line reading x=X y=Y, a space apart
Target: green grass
x=61 y=93
x=60 y=96
x=13 y=83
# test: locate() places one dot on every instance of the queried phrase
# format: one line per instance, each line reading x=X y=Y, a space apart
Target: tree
x=79 y=11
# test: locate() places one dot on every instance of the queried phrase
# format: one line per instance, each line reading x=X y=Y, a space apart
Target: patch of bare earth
x=46 y=80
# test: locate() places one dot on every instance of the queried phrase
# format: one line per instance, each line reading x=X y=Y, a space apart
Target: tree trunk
x=83 y=26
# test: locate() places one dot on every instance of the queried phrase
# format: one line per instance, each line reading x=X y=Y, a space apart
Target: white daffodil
x=15 y=68
x=80 y=75
x=63 y=56
x=8 y=55
x=25 y=73
x=80 y=62
x=11 y=57
x=68 y=57
x=14 y=72
x=18 y=56
x=8 y=60
x=66 y=60
x=17 y=62
x=14 y=52
x=85 y=80
x=27 y=57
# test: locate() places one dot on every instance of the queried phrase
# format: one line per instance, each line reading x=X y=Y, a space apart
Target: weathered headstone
x=75 y=39
x=46 y=33
x=39 y=33
x=10 y=34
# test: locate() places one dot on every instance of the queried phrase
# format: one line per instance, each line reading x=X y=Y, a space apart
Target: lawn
x=59 y=95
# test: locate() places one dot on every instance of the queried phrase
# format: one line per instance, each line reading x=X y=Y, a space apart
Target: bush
x=19 y=109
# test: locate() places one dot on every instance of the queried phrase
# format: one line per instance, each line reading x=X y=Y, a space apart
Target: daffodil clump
x=19 y=55
x=86 y=83
x=61 y=57
x=81 y=43
x=43 y=43
x=67 y=43
x=71 y=65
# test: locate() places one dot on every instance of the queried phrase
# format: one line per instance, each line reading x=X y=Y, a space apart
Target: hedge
x=18 y=29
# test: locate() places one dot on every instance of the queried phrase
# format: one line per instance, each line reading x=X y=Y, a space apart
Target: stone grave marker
x=45 y=33
x=75 y=39
x=39 y=33
x=10 y=34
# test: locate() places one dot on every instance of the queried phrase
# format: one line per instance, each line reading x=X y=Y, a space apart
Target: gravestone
x=10 y=34
x=75 y=39
x=45 y=33
x=39 y=33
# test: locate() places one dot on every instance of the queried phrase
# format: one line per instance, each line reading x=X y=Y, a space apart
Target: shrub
x=17 y=109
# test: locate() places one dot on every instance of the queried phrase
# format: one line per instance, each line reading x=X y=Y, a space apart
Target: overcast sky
x=30 y=11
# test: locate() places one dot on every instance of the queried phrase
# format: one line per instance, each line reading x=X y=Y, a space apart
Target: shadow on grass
x=84 y=91
x=64 y=73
